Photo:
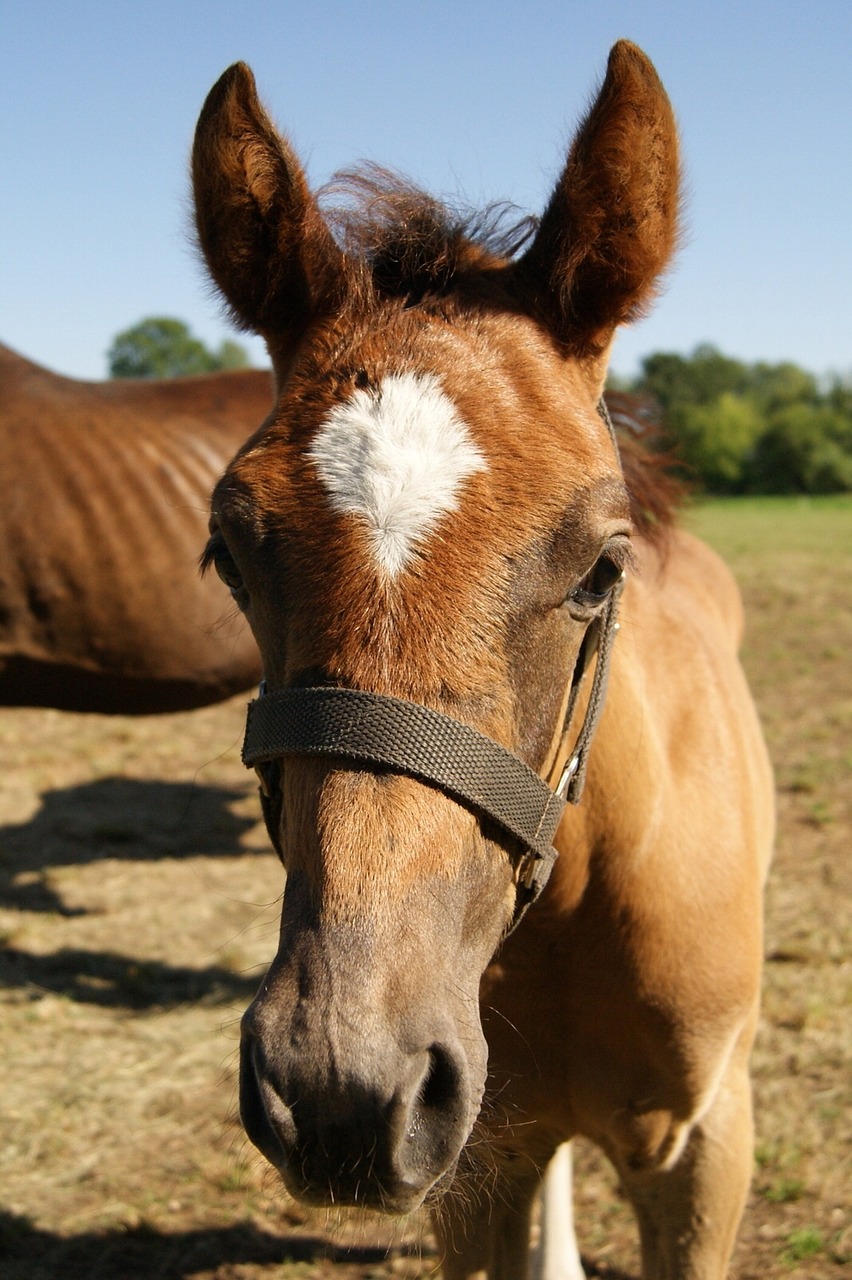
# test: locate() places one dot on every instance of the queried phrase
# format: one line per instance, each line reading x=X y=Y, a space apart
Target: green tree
x=839 y=396
x=717 y=440
x=775 y=386
x=744 y=428
x=699 y=379
x=162 y=347
x=805 y=449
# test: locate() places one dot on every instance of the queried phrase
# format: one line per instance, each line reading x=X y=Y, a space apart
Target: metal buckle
x=259 y=768
x=570 y=768
x=526 y=874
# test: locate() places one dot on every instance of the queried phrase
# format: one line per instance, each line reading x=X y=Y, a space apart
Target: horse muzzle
x=377 y=1132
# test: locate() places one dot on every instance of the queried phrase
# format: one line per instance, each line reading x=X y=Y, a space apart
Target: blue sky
x=98 y=102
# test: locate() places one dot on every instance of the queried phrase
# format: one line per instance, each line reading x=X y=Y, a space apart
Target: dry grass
x=138 y=905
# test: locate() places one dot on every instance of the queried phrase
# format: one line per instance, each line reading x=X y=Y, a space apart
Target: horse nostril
x=266 y=1117
x=439 y=1089
x=437 y=1118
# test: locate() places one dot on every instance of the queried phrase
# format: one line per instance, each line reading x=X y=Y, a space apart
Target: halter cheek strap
x=598 y=640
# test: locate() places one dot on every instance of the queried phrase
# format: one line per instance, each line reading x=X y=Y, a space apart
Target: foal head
x=433 y=511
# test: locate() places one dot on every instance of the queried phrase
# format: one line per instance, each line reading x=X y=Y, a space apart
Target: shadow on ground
x=29 y=1253
x=136 y=819
x=115 y=981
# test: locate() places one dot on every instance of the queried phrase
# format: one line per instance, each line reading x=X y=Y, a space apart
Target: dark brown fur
x=410 y=246
x=103 y=496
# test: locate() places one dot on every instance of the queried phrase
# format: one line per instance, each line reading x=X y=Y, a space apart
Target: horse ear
x=265 y=242
x=610 y=228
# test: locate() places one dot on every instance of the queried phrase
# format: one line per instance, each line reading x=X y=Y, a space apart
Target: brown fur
x=624 y=1006
x=103 y=494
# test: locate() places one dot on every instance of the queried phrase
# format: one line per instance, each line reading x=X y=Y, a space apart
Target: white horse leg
x=557 y=1256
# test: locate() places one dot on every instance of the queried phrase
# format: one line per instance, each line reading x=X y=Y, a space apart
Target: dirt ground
x=138 y=907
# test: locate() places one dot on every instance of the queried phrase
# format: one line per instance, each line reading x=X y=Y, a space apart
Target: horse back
x=103 y=496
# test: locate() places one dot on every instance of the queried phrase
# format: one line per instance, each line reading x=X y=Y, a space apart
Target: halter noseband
x=380 y=732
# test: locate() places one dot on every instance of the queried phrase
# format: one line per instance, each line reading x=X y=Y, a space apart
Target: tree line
x=163 y=347
x=733 y=427
x=750 y=428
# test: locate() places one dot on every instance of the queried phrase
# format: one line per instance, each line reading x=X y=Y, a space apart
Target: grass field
x=138 y=905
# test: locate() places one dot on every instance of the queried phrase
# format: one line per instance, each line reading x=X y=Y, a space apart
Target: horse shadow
x=142 y=1252
x=110 y=980
x=117 y=817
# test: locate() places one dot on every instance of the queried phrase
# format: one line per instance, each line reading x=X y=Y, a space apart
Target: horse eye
x=598 y=582
x=222 y=561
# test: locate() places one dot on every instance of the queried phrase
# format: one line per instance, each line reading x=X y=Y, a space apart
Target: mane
x=413 y=245
x=656 y=491
x=403 y=243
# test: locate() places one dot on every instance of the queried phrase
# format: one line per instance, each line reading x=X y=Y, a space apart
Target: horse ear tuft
x=267 y=248
x=611 y=227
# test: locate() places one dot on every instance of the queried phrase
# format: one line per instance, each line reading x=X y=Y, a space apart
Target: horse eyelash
x=622 y=554
x=207 y=556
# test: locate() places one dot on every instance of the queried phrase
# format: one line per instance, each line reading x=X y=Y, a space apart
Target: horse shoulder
x=680 y=742
x=679 y=812
x=697 y=582
x=653 y=909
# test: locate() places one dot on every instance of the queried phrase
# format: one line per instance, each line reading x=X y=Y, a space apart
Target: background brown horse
x=103 y=505
x=436 y=513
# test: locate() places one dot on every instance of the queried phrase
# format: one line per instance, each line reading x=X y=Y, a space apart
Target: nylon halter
x=379 y=732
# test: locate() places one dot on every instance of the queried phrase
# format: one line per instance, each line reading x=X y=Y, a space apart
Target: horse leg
x=557 y=1256
x=483 y=1230
x=689 y=1214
